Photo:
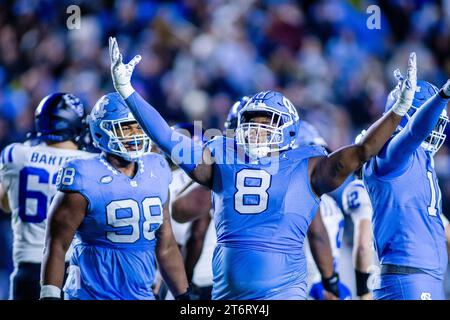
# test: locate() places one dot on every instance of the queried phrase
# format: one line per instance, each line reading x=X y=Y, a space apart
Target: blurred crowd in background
x=201 y=56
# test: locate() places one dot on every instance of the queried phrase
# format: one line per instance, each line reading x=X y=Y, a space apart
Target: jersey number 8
x=251 y=196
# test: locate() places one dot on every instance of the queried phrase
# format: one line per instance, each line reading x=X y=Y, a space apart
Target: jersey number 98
x=152 y=219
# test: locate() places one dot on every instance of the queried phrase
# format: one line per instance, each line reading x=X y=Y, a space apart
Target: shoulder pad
x=8 y=154
x=308 y=151
x=70 y=176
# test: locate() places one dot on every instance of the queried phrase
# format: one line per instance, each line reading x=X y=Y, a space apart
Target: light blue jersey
x=262 y=213
x=408 y=230
x=114 y=250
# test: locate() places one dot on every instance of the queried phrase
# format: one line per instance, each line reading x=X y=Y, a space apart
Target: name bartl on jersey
x=38 y=157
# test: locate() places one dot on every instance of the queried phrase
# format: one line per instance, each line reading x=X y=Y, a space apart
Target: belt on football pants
x=394 y=269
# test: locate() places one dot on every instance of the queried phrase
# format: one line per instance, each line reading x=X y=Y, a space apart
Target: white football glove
x=408 y=87
x=120 y=72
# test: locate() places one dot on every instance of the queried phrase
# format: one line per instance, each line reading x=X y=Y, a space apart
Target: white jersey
x=180 y=181
x=203 y=270
x=203 y=275
x=356 y=201
x=28 y=174
x=333 y=219
x=356 y=204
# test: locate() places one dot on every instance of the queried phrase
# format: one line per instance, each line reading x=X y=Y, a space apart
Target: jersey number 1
x=433 y=207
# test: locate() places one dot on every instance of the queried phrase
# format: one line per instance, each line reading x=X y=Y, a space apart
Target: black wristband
x=332 y=284
x=443 y=95
x=184 y=296
x=361 y=283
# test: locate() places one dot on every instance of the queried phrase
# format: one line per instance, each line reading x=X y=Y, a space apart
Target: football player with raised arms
x=195 y=203
x=116 y=205
x=406 y=199
x=28 y=174
x=193 y=207
x=265 y=198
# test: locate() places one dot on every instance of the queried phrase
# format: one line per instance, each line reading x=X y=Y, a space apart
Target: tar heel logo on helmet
x=114 y=129
x=100 y=108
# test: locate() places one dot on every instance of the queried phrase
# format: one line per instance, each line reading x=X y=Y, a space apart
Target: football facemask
x=126 y=138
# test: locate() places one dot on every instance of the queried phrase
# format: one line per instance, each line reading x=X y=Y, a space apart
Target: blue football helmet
x=280 y=131
x=59 y=117
x=232 y=118
x=309 y=135
x=425 y=91
x=108 y=122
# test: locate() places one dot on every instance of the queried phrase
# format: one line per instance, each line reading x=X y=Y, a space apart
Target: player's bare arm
x=203 y=172
x=319 y=243
x=154 y=125
x=194 y=245
x=169 y=258
x=194 y=203
x=328 y=173
x=66 y=213
x=4 y=202
x=363 y=252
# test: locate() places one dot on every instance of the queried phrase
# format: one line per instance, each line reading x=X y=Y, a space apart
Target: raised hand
x=407 y=85
x=120 y=72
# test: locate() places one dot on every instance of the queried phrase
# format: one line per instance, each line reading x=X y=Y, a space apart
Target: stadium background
x=201 y=56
